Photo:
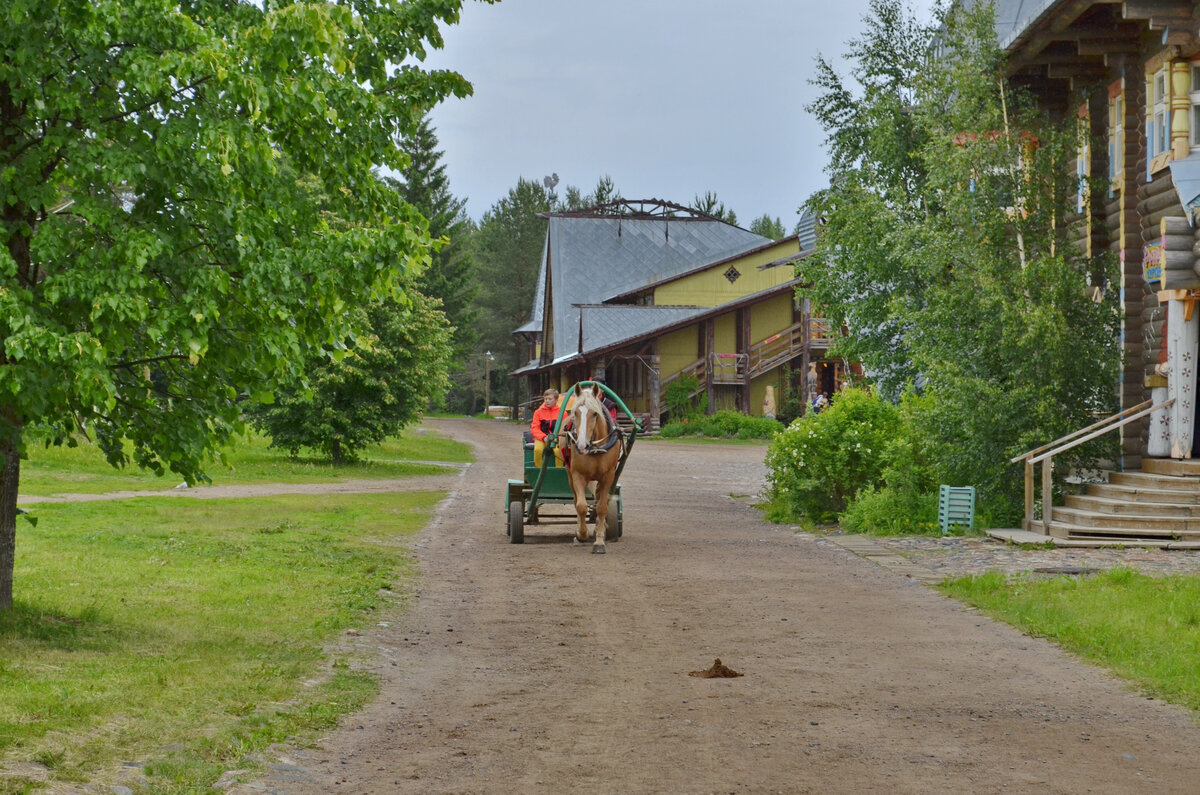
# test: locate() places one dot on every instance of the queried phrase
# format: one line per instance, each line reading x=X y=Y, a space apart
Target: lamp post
x=487 y=382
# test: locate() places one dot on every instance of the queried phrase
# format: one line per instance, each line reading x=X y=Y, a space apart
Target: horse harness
x=613 y=437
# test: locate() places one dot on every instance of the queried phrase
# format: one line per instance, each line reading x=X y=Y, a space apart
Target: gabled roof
x=534 y=325
x=690 y=271
x=595 y=257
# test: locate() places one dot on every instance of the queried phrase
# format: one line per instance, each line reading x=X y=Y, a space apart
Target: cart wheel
x=612 y=524
x=516 y=523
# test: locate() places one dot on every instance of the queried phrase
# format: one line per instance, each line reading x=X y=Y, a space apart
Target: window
x=1194 y=98
x=1161 y=115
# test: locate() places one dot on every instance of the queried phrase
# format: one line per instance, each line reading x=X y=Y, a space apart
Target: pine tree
x=451 y=275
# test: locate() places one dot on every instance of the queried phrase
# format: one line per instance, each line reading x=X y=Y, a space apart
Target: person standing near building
x=542 y=424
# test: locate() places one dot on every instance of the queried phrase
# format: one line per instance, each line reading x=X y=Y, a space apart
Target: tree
x=874 y=146
x=511 y=238
x=709 y=204
x=947 y=252
x=190 y=206
x=379 y=385
x=451 y=273
x=767 y=226
x=604 y=193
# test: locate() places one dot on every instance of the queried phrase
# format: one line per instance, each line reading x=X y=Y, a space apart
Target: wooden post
x=1028 y=523
x=805 y=353
x=744 y=350
x=1047 y=495
x=710 y=346
x=655 y=388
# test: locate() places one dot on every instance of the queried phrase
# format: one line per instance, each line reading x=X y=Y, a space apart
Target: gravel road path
x=543 y=668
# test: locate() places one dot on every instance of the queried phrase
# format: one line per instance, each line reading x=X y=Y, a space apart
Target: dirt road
x=543 y=668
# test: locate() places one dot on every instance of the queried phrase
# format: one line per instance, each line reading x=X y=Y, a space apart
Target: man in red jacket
x=542 y=424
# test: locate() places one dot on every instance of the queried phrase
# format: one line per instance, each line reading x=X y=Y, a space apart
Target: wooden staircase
x=1157 y=506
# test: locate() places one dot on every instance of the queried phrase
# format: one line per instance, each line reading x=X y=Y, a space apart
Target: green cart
x=551 y=485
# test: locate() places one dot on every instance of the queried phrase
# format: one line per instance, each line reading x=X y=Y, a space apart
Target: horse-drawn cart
x=551 y=485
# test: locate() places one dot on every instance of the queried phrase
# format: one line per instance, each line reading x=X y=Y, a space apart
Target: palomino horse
x=596 y=448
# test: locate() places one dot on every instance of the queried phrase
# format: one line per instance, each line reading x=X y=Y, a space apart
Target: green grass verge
x=82 y=469
x=1145 y=629
x=179 y=633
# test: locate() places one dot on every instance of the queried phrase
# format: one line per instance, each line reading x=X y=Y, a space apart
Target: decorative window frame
x=1158 y=119
x=1168 y=111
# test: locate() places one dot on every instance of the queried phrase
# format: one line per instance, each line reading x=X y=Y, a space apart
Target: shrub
x=758 y=428
x=680 y=403
x=889 y=511
x=673 y=430
x=723 y=424
x=727 y=422
x=821 y=461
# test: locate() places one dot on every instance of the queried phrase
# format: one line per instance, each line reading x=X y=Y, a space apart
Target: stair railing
x=1045 y=455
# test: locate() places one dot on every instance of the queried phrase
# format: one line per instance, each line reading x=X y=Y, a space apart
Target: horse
x=596 y=447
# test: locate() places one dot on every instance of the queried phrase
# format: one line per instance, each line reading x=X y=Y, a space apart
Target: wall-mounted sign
x=1152 y=261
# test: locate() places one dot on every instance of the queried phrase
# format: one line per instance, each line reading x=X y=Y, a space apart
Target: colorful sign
x=1152 y=261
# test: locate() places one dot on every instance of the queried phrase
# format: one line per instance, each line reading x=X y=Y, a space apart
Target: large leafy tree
x=511 y=238
x=874 y=144
x=190 y=207
x=376 y=387
x=947 y=252
x=451 y=274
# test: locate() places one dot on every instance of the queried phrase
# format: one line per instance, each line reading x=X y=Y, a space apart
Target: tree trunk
x=10 y=475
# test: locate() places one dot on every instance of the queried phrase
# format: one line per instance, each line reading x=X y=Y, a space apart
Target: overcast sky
x=671 y=98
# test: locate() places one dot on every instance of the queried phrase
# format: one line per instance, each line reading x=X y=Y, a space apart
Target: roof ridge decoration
x=637 y=208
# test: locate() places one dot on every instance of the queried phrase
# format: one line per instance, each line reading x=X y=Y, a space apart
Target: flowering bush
x=822 y=461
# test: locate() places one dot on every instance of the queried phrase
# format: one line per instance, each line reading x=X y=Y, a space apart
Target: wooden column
x=710 y=345
x=805 y=353
x=744 y=350
x=655 y=387
x=1180 y=86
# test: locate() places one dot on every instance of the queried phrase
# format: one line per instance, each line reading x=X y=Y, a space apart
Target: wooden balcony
x=733 y=368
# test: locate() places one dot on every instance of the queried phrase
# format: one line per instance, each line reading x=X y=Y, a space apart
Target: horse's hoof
x=597 y=550
x=577 y=542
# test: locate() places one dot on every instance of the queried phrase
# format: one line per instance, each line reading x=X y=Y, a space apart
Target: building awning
x=1186 y=176
x=529 y=367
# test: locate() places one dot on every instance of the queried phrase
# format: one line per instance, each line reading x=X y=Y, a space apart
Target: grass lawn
x=188 y=635
x=1144 y=629
x=178 y=633
x=82 y=469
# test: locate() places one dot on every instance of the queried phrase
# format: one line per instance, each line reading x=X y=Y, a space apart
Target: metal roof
x=806 y=229
x=1014 y=17
x=595 y=258
x=539 y=296
x=609 y=324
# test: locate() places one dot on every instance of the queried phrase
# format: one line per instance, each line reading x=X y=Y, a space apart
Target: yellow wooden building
x=641 y=293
